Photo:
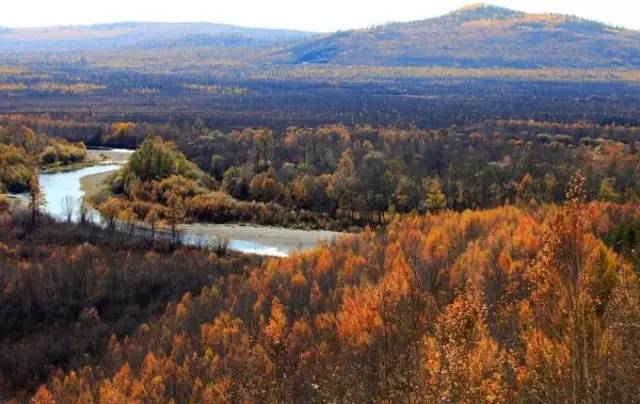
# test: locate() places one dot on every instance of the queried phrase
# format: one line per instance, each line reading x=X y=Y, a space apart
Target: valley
x=438 y=210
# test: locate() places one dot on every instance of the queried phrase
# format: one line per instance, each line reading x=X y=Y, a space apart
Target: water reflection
x=61 y=189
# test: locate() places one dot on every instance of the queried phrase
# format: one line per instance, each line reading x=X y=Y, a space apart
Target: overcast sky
x=314 y=15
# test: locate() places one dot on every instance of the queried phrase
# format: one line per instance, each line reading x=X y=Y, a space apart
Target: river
x=261 y=240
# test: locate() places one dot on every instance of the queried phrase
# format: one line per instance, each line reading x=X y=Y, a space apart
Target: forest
x=179 y=84
x=493 y=262
x=478 y=172
x=22 y=151
x=339 y=178
x=444 y=210
x=511 y=304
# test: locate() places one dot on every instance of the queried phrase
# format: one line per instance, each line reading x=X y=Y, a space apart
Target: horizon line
x=470 y=6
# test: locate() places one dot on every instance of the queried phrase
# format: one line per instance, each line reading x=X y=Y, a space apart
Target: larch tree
x=36 y=199
x=128 y=217
x=571 y=284
x=174 y=214
x=435 y=200
x=109 y=211
x=152 y=219
x=344 y=182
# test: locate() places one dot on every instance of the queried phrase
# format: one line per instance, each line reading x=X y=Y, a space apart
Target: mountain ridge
x=133 y=33
x=477 y=36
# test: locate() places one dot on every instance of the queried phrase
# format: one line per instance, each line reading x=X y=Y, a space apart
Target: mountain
x=141 y=35
x=477 y=36
x=480 y=36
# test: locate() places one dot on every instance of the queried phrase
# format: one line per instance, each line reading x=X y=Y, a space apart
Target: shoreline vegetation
x=342 y=178
x=157 y=172
x=94 y=156
x=280 y=238
x=24 y=152
x=335 y=177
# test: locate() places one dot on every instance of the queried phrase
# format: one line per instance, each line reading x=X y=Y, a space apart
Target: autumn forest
x=196 y=213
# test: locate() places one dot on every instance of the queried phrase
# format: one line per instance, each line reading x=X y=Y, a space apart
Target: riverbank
x=65 y=168
x=280 y=238
x=94 y=157
x=94 y=185
x=253 y=239
x=110 y=156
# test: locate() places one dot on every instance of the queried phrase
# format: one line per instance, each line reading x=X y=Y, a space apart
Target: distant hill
x=477 y=36
x=140 y=34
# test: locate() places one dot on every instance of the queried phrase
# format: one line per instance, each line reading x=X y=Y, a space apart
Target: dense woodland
x=516 y=304
x=338 y=177
x=484 y=166
x=176 y=83
x=67 y=289
x=488 y=270
x=22 y=151
x=333 y=176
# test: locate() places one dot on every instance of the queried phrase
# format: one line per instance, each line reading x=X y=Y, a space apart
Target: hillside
x=139 y=34
x=473 y=307
x=477 y=36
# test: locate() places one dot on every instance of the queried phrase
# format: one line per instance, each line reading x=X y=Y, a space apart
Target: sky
x=314 y=15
